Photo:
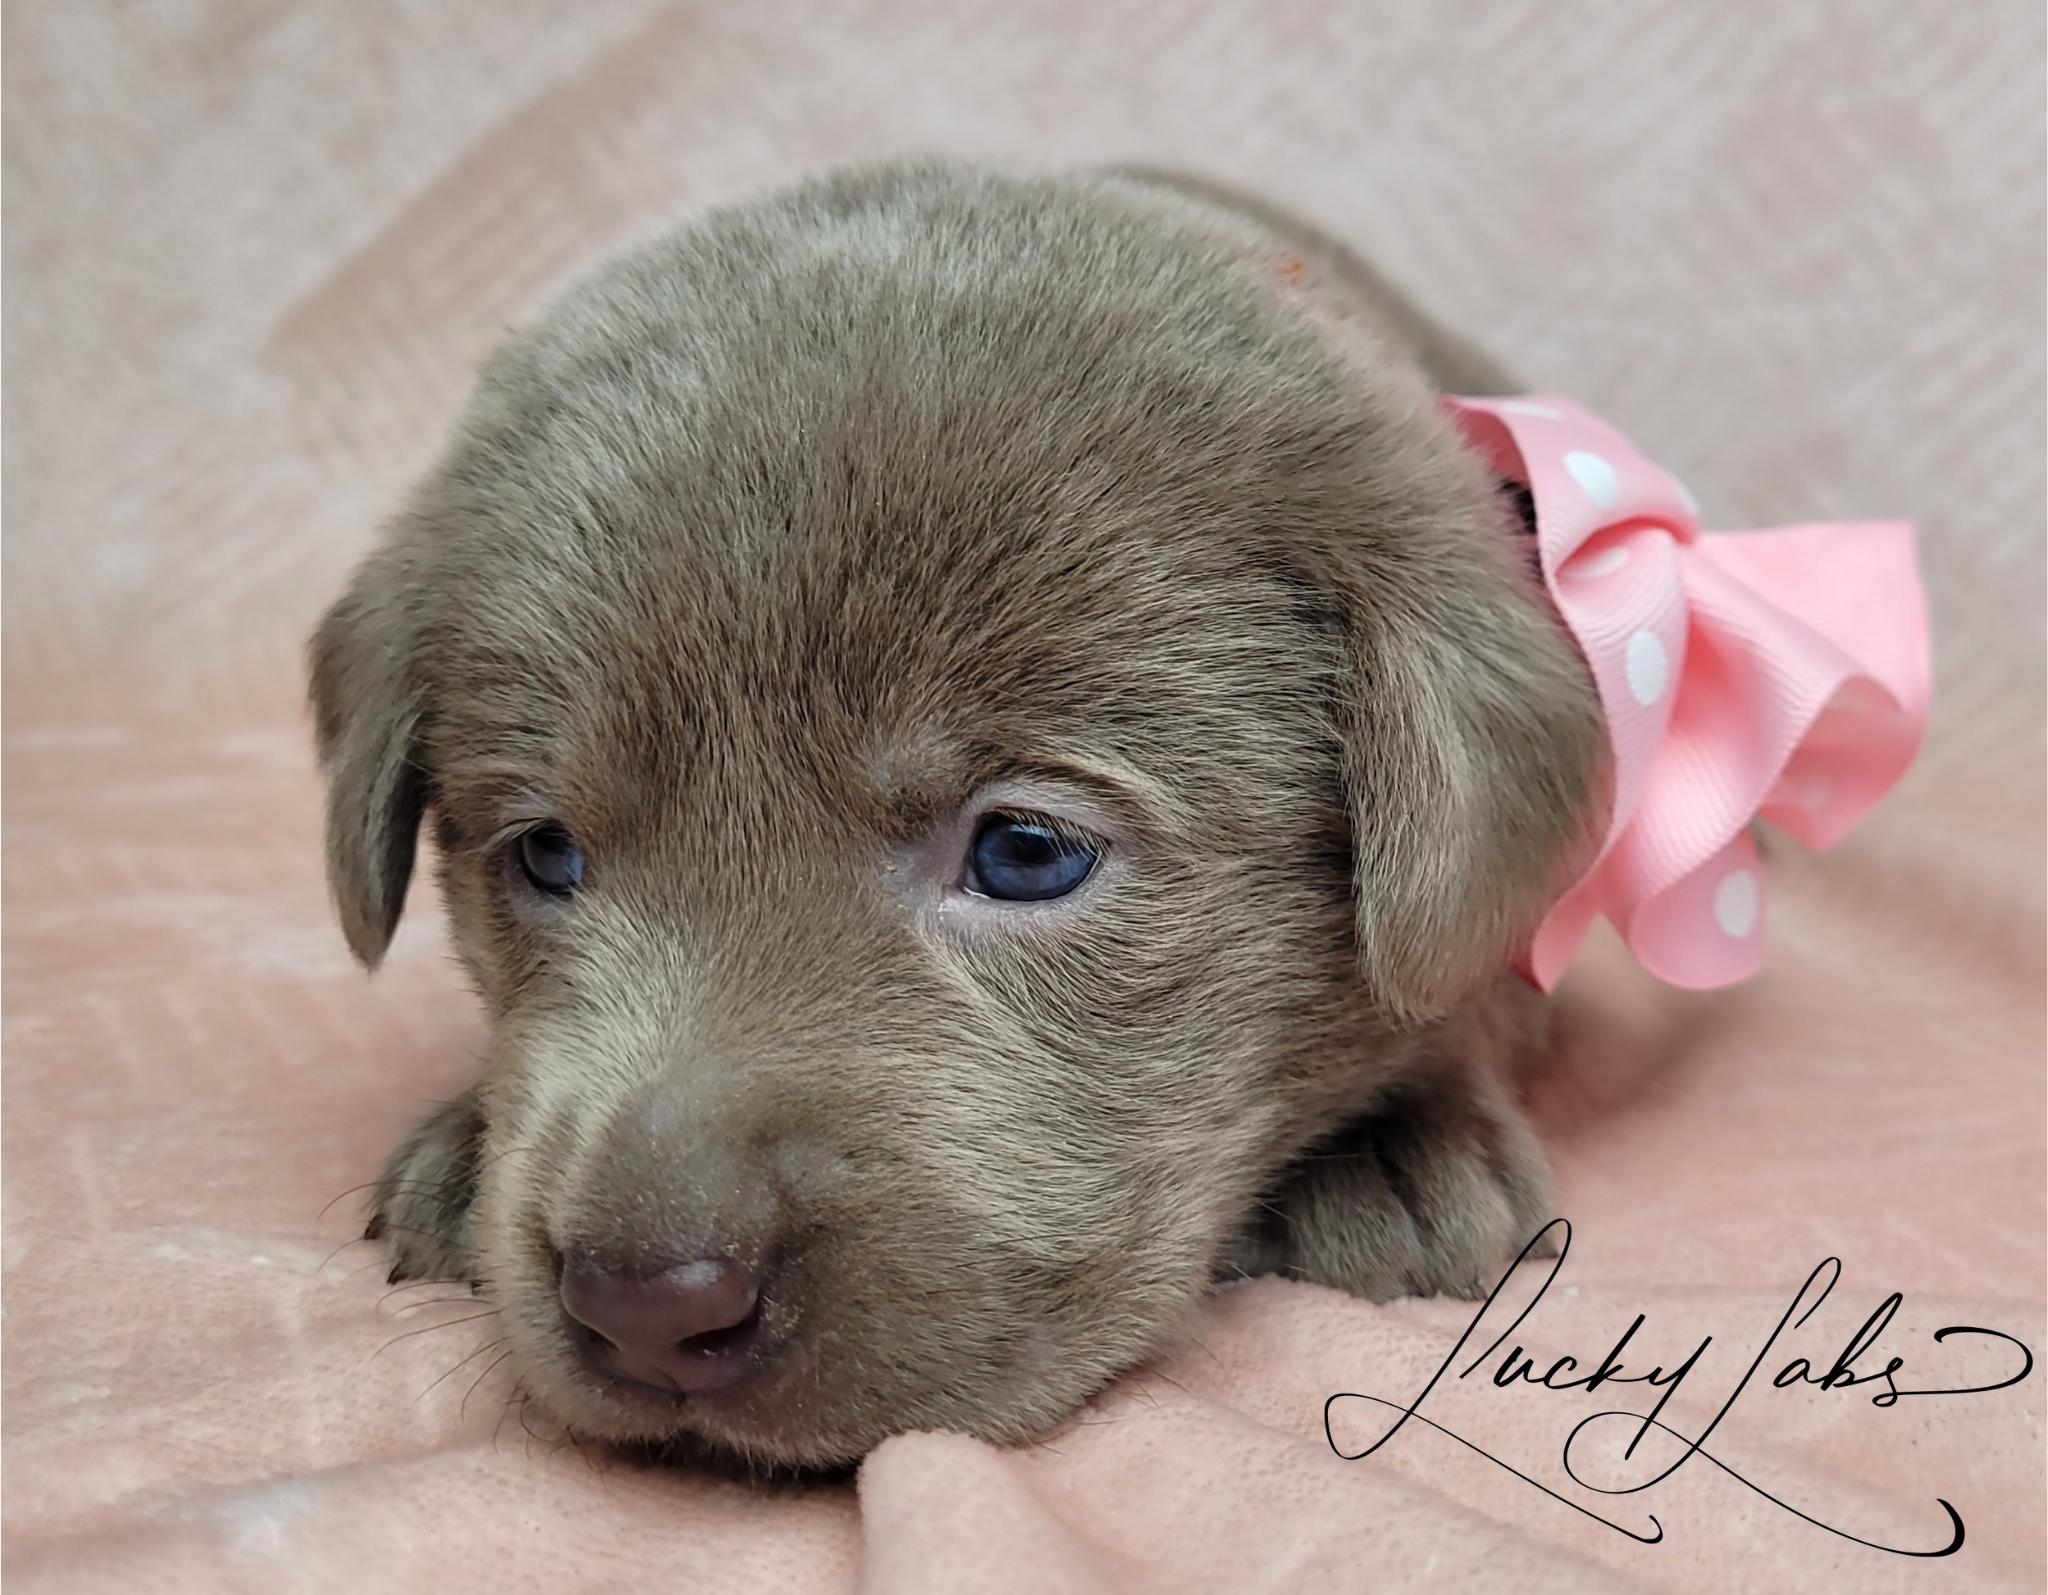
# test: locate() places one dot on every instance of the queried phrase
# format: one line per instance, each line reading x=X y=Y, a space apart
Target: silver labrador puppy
x=988 y=748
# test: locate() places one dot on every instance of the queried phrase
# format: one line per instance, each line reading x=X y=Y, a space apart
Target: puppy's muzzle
x=692 y=1327
x=669 y=1254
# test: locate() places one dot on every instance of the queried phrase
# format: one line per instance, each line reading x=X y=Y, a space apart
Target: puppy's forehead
x=819 y=485
x=885 y=677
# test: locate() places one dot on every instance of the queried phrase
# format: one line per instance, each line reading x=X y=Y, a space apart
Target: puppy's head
x=960 y=729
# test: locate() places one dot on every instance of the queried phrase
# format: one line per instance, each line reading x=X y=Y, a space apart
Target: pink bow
x=1776 y=674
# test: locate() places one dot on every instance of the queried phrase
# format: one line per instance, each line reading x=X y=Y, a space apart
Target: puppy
x=988 y=750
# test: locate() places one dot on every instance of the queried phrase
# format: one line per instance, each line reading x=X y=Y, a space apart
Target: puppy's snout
x=690 y=1328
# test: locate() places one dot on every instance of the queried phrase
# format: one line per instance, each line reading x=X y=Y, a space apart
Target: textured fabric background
x=255 y=249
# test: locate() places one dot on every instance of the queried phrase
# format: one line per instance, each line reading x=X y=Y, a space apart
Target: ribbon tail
x=1801 y=699
x=1835 y=615
x=1706 y=929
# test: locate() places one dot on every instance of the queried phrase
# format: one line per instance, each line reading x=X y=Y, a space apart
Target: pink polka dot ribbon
x=1778 y=675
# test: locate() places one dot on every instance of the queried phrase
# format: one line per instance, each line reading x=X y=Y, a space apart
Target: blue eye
x=1026 y=860
x=551 y=859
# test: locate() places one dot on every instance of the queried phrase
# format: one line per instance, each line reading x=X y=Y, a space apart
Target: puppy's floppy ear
x=366 y=717
x=1472 y=755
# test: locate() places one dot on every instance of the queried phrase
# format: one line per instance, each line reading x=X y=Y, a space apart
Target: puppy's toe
x=422 y=1199
x=1430 y=1194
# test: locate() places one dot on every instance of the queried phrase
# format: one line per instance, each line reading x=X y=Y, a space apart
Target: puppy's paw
x=1430 y=1194
x=422 y=1199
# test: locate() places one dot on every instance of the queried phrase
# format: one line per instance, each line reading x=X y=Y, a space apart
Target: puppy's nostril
x=717 y=1342
x=687 y=1329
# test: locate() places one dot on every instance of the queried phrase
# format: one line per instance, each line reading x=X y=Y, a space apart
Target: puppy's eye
x=1027 y=860
x=551 y=860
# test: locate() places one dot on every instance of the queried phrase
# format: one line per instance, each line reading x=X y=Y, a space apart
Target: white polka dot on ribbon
x=1735 y=904
x=1595 y=477
x=1648 y=666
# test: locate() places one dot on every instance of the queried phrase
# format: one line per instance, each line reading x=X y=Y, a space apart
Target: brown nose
x=689 y=1328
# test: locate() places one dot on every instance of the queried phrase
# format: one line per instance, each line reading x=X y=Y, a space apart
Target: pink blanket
x=256 y=247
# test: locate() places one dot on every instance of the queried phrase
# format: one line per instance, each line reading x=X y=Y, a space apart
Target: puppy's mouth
x=726 y=1366
x=801 y=1355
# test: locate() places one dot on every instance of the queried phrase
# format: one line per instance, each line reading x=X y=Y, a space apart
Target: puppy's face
x=961 y=731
